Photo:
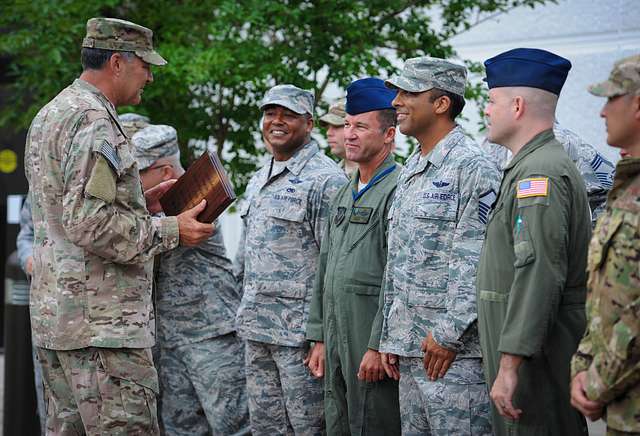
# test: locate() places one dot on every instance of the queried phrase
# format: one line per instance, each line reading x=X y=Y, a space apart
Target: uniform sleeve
x=616 y=365
x=540 y=230
x=479 y=185
x=315 y=330
x=238 y=261
x=584 y=355
x=94 y=217
x=376 y=326
x=320 y=199
x=24 y=241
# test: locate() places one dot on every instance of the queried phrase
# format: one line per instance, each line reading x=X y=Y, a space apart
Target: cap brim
x=400 y=82
x=151 y=57
x=283 y=103
x=332 y=119
x=606 y=89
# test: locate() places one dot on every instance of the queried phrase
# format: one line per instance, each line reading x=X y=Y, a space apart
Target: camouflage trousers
x=203 y=389
x=456 y=404
x=100 y=391
x=284 y=399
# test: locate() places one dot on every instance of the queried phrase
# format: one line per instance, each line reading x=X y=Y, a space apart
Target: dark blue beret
x=530 y=67
x=370 y=94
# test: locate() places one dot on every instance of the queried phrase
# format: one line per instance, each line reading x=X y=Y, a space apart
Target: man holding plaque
x=94 y=242
x=359 y=397
x=284 y=216
x=201 y=360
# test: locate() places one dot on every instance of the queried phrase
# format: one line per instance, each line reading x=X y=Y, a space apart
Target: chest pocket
x=125 y=156
x=287 y=206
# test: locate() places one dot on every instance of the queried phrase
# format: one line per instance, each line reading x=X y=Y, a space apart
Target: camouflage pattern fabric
x=283 y=221
x=94 y=238
x=336 y=114
x=100 y=391
x=121 y=35
x=203 y=388
x=133 y=123
x=624 y=79
x=196 y=293
x=293 y=98
x=610 y=349
x=425 y=73
x=283 y=398
x=596 y=170
x=154 y=142
x=439 y=408
x=438 y=219
x=284 y=217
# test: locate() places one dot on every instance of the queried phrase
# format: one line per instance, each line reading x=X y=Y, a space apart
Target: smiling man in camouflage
x=436 y=227
x=91 y=310
x=283 y=217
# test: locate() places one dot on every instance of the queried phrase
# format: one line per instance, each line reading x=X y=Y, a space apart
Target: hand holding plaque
x=205 y=179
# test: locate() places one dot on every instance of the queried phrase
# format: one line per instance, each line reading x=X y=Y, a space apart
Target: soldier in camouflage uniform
x=201 y=363
x=531 y=275
x=91 y=310
x=333 y=121
x=437 y=222
x=597 y=172
x=606 y=367
x=283 y=216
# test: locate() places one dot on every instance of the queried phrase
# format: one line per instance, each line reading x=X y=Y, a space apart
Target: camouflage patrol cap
x=624 y=79
x=133 y=123
x=120 y=35
x=291 y=97
x=336 y=114
x=425 y=73
x=154 y=142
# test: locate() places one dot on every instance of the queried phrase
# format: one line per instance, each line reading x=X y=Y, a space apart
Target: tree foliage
x=224 y=54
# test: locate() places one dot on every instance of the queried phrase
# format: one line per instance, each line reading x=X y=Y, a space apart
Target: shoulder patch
x=485 y=204
x=532 y=187
x=111 y=156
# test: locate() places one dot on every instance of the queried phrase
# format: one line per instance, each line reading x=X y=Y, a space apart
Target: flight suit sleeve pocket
x=524 y=253
x=362 y=289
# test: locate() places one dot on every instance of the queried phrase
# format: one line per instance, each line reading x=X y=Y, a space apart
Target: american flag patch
x=534 y=187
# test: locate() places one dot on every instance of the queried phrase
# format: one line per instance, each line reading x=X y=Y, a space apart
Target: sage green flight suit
x=531 y=285
x=345 y=302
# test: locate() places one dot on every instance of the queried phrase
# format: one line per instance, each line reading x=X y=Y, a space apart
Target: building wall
x=591 y=34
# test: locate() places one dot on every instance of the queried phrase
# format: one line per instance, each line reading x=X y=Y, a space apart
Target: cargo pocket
x=128 y=384
x=362 y=289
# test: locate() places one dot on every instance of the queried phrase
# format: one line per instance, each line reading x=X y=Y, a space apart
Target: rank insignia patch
x=485 y=204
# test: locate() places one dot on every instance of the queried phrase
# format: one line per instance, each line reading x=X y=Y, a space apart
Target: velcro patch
x=102 y=182
x=532 y=187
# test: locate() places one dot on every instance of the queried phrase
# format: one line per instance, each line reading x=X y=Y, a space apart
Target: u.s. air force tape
x=110 y=154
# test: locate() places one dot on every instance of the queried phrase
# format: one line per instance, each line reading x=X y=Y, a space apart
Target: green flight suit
x=531 y=285
x=345 y=302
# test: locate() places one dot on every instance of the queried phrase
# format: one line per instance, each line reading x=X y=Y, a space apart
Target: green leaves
x=224 y=54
